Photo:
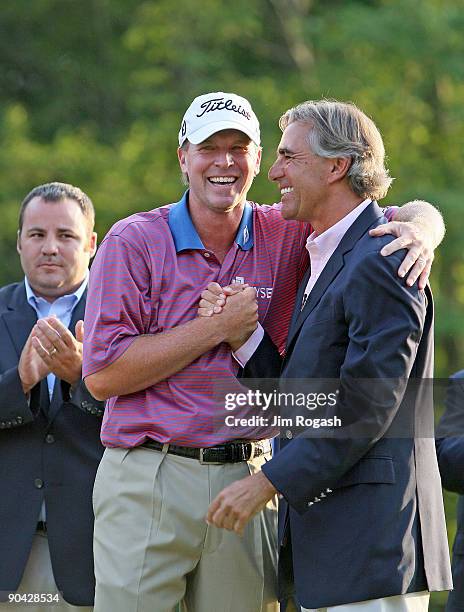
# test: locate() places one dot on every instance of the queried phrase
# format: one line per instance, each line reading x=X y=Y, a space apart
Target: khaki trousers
x=38 y=578
x=153 y=548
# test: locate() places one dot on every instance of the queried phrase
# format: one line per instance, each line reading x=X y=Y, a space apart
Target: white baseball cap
x=218 y=111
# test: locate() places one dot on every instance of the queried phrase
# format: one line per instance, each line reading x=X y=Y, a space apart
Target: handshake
x=234 y=307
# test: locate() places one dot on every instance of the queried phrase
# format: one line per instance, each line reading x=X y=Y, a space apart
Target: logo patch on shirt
x=261 y=292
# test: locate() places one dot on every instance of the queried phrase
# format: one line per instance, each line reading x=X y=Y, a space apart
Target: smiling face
x=302 y=176
x=220 y=170
x=55 y=246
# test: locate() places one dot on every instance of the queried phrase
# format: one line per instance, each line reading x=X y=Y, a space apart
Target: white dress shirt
x=322 y=246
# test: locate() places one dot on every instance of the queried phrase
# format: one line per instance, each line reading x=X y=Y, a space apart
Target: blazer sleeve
x=16 y=409
x=450 y=436
x=83 y=399
x=265 y=362
x=383 y=320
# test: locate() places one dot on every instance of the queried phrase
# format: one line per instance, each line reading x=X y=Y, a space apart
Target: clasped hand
x=51 y=349
x=417 y=262
x=235 y=307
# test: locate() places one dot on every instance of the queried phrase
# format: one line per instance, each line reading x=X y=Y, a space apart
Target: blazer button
x=38 y=483
x=49 y=438
x=288 y=434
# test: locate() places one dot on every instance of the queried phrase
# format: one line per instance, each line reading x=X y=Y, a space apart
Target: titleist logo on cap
x=210 y=106
x=217 y=111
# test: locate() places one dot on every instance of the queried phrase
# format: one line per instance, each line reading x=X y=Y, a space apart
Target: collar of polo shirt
x=186 y=236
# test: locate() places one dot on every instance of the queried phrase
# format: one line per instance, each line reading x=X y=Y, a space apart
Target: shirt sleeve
x=390 y=212
x=246 y=351
x=120 y=306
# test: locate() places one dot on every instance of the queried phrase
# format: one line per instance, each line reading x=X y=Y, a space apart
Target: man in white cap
x=157 y=364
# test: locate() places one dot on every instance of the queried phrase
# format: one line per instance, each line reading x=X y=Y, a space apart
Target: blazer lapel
x=332 y=268
x=20 y=318
x=359 y=227
x=78 y=313
x=298 y=301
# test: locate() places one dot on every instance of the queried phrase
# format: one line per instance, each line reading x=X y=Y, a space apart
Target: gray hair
x=341 y=129
x=55 y=192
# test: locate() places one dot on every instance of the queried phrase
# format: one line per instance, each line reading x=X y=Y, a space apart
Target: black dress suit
x=49 y=450
x=450 y=450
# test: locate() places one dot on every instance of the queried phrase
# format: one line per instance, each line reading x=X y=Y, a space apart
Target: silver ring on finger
x=52 y=351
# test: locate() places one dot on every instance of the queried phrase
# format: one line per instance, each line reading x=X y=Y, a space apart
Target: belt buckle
x=204 y=461
x=258 y=448
x=247 y=451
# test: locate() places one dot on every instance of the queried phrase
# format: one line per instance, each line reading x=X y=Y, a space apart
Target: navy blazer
x=361 y=516
x=49 y=450
x=450 y=449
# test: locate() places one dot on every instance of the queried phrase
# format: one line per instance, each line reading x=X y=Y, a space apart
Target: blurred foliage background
x=92 y=93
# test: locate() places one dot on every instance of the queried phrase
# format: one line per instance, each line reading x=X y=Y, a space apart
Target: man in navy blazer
x=450 y=451
x=49 y=423
x=361 y=515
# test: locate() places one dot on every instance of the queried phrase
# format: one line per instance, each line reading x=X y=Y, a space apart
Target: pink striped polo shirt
x=147 y=278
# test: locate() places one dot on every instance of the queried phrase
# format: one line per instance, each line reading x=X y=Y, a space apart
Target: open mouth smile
x=222 y=180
